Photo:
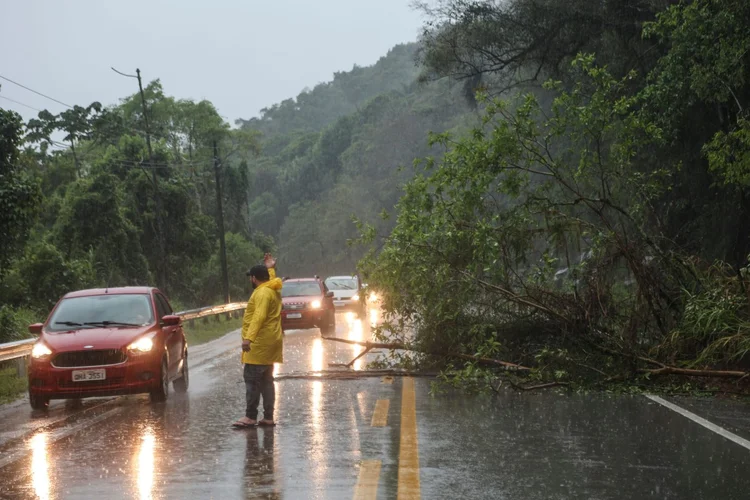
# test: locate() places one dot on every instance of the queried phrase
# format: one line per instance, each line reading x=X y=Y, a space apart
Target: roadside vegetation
x=11 y=386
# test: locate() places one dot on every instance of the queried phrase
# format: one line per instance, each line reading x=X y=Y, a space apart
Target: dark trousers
x=259 y=382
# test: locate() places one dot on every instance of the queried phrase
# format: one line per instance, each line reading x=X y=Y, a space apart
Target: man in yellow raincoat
x=262 y=343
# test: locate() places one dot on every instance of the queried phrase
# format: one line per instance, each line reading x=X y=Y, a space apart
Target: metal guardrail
x=22 y=348
x=18 y=349
x=210 y=311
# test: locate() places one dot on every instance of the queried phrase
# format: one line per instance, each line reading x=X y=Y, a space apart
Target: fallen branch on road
x=350 y=363
x=351 y=374
x=505 y=365
x=672 y=370
x=536 y=387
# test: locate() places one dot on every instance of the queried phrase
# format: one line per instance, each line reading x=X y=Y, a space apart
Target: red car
x=107 y=342
x=307 y=303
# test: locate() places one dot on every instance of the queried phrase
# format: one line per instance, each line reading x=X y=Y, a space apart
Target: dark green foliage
x=19 y=193
x=92 y=220
x=311 y=180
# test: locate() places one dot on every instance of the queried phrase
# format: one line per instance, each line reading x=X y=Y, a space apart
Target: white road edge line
x=701 y=421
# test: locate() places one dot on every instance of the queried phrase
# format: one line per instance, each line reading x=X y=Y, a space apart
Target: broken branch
x=671 y=370
x=349 y=374
x=505 y=365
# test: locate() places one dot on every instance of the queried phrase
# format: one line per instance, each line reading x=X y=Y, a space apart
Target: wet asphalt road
x=369 y=438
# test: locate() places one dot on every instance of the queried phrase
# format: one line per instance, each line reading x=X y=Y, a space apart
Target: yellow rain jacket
x=261 y=324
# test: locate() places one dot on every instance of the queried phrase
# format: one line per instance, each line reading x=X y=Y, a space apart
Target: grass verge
x=11 y=386
x=204 y=332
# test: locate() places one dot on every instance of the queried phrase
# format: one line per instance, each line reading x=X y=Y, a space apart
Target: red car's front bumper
x=136 y=375
x=307 y=319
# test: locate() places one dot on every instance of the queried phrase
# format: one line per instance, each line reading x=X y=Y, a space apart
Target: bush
x=14 y=323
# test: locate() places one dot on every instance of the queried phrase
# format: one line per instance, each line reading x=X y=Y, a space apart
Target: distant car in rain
x=307 y=303
x=105 y=342
x=346 y=293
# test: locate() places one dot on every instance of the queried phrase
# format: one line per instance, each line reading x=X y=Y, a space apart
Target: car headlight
x=143 y=344
x=355 y=297
x=315 y=304
x=40 y=351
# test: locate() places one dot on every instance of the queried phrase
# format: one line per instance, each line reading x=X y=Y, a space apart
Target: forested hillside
x=337 y=151
x=82 y=190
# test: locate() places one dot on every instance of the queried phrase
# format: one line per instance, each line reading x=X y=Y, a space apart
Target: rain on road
x=369 y=438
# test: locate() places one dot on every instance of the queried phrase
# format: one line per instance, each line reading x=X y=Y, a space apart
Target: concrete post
x=20 y=367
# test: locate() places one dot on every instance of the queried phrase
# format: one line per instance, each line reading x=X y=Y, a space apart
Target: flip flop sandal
x=243 y=425
x=266 y=424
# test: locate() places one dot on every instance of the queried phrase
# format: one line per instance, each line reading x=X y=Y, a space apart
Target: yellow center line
x=367 y=483
x=380 y=415
x=408 y=455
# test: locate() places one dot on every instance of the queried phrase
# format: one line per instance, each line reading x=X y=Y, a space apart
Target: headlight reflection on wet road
x=40 y=466
x=355 y=333
x=317 y=451
x=145 y=474
x=317 y=355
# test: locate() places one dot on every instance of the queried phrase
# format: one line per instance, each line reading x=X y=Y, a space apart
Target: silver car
x=346 y=293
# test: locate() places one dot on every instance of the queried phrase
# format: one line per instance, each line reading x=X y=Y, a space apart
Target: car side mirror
x=36 y=329
x=171 y=320
x=329 y=294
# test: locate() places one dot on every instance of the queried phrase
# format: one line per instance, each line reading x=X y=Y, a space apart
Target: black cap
x=260 y=272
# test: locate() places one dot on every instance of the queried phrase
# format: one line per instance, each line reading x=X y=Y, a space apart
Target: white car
x=346 y=293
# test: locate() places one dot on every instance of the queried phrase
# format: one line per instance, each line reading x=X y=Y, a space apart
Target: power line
x=34 y=91
x=19 y=102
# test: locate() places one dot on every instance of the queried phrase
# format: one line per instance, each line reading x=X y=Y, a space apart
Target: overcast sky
x=242 y=55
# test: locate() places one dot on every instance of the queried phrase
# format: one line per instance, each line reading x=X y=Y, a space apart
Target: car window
x=160 y=310
x=341 y=283
x=121 y=308
x=164 y=304
x=300 y=289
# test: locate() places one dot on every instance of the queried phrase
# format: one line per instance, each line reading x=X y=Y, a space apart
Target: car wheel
x=162 y=392
x=330 y=328
x=38 y=402
x=182 y=383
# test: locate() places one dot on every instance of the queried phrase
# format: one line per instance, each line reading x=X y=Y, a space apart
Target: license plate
x=339 y=303
x=294 y=316
x=88 y=375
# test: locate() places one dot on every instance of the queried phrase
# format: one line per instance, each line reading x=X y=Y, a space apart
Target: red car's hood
x=98 y=338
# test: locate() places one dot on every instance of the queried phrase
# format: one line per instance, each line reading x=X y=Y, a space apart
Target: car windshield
x=98 y=310
x=341 y=283
x=300 y=289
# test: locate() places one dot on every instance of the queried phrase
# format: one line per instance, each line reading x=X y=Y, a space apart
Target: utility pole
x=162 y=270
x=220 y=223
